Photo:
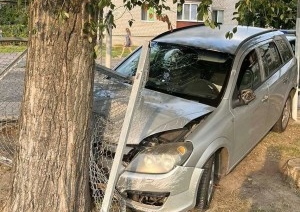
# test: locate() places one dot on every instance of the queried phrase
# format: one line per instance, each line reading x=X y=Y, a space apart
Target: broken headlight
x=161 y=158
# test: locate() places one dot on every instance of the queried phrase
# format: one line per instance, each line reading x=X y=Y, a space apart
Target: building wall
x=228 y=6
x=142 y=31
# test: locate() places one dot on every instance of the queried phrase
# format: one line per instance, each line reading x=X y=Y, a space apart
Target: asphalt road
x=11 y=86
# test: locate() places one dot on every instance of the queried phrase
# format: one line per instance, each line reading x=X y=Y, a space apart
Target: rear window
x=284 y=50
x=270 y=57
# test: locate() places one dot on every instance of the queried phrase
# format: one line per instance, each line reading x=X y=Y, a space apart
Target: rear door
x=272 y=64
x=277 y=75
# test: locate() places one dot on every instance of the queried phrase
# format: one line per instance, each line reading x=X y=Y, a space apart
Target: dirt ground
x=256 y=183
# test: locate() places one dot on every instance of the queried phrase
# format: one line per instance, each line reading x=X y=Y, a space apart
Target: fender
x=219 y=143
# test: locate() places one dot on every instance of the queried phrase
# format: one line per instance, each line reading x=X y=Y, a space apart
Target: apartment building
x=146 y=24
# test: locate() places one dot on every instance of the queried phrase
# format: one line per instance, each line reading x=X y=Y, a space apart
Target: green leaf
x=234 y=30
x=212 y=25
x=66 y=15
x=281 y=16
x=226 y=34
x=179 y=7
x=130 y=22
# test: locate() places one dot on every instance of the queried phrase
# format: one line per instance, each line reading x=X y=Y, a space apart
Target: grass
x=116 y=51
x=12 y=48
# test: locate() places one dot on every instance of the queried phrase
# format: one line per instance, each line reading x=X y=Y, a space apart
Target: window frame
x=145 y=13
x=190 y=12
x=217 y=16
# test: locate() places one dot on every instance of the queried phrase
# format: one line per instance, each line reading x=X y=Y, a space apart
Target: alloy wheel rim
x=286 y=114
x=211 y=182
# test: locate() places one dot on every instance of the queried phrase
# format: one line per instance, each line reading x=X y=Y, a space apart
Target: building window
x=187 y=12
x=147 y=13
x=218 y=16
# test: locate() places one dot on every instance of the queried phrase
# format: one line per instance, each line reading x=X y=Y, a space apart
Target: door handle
x=265 y=98
x=285 y=80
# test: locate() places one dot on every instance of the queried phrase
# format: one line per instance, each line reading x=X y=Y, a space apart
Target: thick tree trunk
x=51 y=169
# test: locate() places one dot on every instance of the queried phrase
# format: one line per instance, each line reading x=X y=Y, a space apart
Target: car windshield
x=184 y=71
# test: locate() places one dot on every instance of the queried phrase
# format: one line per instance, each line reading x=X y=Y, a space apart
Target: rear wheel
x=283 y=120
x=206 y=186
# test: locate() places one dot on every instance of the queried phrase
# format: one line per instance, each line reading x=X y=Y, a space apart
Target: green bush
x=16 y=30
x=14 y=20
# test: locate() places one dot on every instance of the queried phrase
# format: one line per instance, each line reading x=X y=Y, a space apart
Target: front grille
x=148 y=198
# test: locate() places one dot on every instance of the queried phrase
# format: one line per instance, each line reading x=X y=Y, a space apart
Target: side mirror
x=243 y=98
x=247 y=96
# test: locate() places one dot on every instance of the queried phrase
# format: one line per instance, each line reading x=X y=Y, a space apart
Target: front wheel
x=206 y=186
x=283 y=120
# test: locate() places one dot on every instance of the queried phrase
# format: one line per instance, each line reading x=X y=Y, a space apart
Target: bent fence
x=12 y=62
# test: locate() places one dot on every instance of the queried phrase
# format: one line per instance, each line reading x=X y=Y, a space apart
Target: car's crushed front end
x=172 y=191
x=152 y=176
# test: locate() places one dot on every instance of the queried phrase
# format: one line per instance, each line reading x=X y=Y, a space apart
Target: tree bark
x=51 y=167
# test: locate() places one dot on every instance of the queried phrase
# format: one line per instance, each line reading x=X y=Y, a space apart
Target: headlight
x=161 y=158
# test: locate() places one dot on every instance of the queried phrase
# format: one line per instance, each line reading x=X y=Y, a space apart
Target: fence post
x=295 y=98
x=141 y=74
x=108 y=46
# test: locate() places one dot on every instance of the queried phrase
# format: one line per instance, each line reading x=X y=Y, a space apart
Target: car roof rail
x=288 y=31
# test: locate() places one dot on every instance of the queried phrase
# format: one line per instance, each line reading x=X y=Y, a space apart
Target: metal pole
x=297 y=53
x=141 y=74
x=108 y=46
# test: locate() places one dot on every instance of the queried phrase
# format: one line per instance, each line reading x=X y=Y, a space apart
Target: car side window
x=249 y=75
x=270 y=58
x=293 y=45
x=284 y=49
x=128 y=67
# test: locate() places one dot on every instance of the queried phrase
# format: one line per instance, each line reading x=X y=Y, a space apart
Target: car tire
x=206 y=186
x=283 y=120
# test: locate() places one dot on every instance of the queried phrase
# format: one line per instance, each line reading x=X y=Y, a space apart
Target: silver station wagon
x=207 y=102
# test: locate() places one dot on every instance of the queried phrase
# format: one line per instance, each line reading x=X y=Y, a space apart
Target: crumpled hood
x=156 y=112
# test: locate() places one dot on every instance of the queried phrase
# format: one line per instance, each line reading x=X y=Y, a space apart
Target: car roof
x=213 y=39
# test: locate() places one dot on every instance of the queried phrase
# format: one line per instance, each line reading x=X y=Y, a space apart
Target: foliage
x=16 y=30
x=14 y=20
x=11 y=14
x=267 y=13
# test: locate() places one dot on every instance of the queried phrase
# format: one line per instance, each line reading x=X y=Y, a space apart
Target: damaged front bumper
x=173 y=191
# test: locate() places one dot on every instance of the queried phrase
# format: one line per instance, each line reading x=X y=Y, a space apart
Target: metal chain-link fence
x=12 y=63
x=110 y=104
x=113 y=95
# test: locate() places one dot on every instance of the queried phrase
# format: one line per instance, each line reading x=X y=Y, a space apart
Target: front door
x=250 y=119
